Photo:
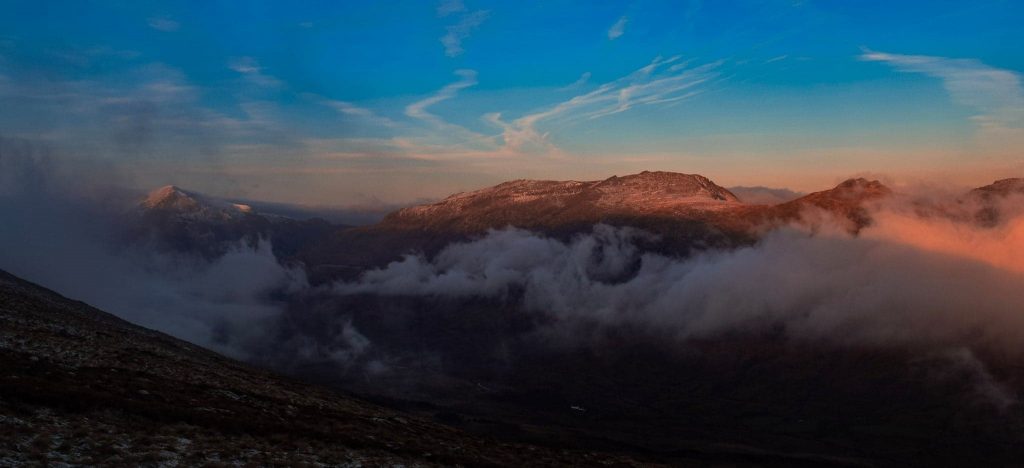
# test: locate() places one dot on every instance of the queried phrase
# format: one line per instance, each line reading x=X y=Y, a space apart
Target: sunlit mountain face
x=491 y=234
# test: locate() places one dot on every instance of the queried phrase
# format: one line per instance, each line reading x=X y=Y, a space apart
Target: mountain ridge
x=645 y=192
x=687 y=212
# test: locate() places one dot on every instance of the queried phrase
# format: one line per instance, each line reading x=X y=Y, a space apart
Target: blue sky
x=359 y=102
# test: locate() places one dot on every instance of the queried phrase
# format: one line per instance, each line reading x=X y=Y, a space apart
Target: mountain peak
x=174 y=199
x=171 y=197
x=550 y=202
x=1000 y=188
x=669 y=186
x=860 y=182
x=860 y=188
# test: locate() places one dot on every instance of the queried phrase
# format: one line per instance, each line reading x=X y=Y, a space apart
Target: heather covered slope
x=83 y=387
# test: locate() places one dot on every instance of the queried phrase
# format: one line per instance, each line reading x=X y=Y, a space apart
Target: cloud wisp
x=996 y=94
x=460 y=31
x=163 y=24
x=617 y=29
x=448 y=7
x=583 y=80
x=663 y=81
x=150 y=115
x=352 y=110
x=418 y=109
x=253 y=72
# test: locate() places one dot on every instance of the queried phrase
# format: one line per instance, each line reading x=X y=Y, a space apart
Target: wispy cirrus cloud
x=251 y=69
x=663 y=81
x=418 y=110
x=617 y=29
x=996 y=94
x=448 y=7
x=151 y=113
x=584 y=79
x=163 y=24
x=458 y=32
x=244 y=65
x=352 y=110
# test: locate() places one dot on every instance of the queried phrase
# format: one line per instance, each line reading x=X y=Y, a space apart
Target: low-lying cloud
x=947 y=291
x=905 y=281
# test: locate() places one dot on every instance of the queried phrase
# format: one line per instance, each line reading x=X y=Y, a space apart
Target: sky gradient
x=357 y=103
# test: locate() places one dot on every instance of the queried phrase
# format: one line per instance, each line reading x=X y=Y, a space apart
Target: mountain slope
x=83 y=387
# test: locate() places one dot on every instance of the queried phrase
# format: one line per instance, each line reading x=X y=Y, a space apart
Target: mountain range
x=688 y=212
x=499 y=366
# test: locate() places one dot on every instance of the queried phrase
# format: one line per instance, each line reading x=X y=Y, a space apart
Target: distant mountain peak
x=1000 y=188
x=669 y=185
x=986 y=200
x=551 y=203
x=645 y=190
x=861 y=188
x=174 y=199
x=848 y=199
x=171 y=197
x=860 y=182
